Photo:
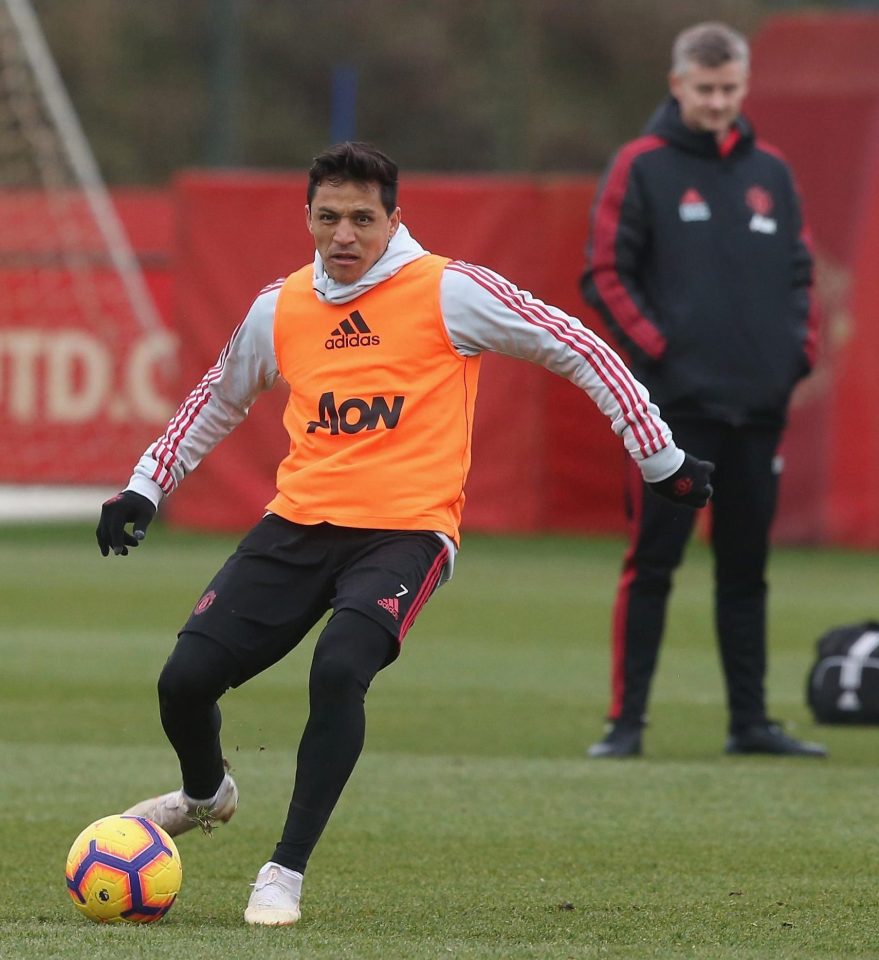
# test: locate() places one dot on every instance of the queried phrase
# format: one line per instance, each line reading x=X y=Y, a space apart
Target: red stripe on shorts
x=427 y=588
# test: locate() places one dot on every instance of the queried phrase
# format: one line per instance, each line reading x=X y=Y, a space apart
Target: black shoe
x=768 y=737
x=621 y=740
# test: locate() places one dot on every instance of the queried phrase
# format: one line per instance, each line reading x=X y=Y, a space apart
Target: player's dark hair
x=708 y=45
x=358 y=162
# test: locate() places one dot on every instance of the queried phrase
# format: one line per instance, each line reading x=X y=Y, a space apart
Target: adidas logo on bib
x=352 y=332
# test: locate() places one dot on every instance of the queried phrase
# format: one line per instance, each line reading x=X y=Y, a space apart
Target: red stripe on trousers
x=621 y=604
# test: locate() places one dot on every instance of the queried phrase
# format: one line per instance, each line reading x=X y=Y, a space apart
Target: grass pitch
x=473 y=826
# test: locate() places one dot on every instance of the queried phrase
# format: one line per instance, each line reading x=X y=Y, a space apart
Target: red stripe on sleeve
x=605 y=362
x=610 y=287
x=813 y=320
x=165 y=449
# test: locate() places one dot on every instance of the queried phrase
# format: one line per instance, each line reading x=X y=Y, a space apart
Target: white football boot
x=176 y=813
x=275 y=898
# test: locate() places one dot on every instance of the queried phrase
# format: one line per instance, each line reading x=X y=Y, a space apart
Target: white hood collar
x=401 y=249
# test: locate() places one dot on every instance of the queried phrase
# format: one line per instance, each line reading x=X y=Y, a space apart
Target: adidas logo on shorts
x=392 y=605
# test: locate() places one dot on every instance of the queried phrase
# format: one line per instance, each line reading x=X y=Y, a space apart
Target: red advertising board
x=84 y=385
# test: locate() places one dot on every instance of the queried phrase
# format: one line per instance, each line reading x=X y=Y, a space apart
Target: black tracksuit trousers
x=745 y=495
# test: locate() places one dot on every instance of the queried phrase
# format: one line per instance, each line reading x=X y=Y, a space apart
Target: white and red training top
x=482 y=312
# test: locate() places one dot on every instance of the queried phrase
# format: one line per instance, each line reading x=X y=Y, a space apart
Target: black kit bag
x=843 y=685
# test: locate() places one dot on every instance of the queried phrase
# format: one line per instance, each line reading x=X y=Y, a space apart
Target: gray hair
x=708 y=45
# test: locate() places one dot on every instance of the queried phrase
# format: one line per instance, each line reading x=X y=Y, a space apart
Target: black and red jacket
x=698 y=264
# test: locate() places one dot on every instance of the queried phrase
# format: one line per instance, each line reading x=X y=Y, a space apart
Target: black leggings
x=350 y=651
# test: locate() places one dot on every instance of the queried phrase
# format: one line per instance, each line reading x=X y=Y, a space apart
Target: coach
x=697 y=263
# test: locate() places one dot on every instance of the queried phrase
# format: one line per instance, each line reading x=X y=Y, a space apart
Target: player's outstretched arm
x=219 y=402
x=116 y=513
x=689 y=485
x=483 y=311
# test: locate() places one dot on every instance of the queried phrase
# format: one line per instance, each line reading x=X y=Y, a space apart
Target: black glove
x=125 y=507
x=689 y=485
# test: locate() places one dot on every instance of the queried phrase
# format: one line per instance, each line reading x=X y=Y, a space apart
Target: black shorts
x=285 y=576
